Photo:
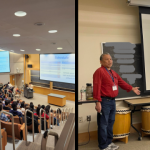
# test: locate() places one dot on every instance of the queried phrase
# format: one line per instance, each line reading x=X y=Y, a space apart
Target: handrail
x=66 y=133
x=44 y=119
x=45 y=136
x=26 y=124
x=63 y=119
x=13 y=134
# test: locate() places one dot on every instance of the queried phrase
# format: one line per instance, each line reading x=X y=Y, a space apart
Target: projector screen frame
x=143 y=10
x=9 y=62
x=51 y=80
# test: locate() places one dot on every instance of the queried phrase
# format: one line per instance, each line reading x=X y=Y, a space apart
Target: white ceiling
x=55 y=14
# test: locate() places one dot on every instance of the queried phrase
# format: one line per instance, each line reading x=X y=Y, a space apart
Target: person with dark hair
x=29 y=121
x=105 y=90
x=39 y=105
x=6 y=106
x=32 y=106
x=3 y=116
x=43 y=106
x=18 y=104
x=14 y=111
x=47 y=109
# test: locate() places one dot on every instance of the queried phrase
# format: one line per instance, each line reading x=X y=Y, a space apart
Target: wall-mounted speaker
x=26 y=56
x=30 y=66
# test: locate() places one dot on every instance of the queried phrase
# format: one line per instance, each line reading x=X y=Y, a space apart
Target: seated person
x=9 y=85
x=18 y=104
x=43 y=106
x=3 y=116
x=31 y=106
x=14 y=111
x=6 y=106
x=18 y=91
x=47 y=109
x=22 y=107
x=42 y=113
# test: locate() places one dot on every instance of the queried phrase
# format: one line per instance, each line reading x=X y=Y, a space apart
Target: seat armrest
x=23 y=130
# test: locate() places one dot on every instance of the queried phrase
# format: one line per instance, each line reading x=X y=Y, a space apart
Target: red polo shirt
x=103 y=83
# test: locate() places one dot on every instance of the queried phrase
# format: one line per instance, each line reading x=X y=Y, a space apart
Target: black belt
x=108 y=97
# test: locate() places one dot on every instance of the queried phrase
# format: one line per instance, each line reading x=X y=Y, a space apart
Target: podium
x=56 y=99
x=28 y=93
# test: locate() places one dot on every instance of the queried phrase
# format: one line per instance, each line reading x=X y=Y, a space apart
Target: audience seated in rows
x=42 y=113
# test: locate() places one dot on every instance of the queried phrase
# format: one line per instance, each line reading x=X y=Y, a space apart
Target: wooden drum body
x=146 y=119
x=121 y=128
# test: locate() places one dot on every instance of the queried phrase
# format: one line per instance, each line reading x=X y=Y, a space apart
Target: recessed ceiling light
x=52 y=31
x=11 y=51
x=21 y=50
x=20 y=13
x=59 y=48
x=38 y=49
x=16 y=35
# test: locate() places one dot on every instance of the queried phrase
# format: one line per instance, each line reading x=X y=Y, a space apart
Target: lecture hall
x=37 y=75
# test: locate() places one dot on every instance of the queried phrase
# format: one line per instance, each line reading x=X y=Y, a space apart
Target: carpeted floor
x=133 y=144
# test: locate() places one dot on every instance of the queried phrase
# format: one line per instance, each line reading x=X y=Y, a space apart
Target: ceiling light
x=20 y=13
x=21 y=50
x=59 y=48
x=38 y=49
x=52 y=31
x=16 y=35
x=11 y=51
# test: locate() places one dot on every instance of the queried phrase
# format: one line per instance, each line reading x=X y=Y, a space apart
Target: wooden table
x=134 y=103
x=57 y=99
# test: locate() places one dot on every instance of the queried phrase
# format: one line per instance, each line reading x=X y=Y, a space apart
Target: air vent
x=39 y=24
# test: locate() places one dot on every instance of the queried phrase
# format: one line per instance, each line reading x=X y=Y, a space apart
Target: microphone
x=100 y=113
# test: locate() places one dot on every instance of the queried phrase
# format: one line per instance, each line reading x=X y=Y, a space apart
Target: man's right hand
x=98 y=107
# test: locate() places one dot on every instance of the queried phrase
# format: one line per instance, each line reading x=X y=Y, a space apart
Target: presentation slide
x=4 y=61
x=57 y=67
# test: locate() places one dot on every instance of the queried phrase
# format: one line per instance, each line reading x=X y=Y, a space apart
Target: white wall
x=16 y=61
x=102 y=21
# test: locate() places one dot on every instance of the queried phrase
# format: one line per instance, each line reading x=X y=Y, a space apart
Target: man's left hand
x=136 y=90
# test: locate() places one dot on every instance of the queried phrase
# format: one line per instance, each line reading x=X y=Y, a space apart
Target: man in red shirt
x=105 y=89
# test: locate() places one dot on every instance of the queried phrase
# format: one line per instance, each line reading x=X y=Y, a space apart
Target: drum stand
x=132 y=111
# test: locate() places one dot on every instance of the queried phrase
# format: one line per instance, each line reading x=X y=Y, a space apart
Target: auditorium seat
x=18 y=128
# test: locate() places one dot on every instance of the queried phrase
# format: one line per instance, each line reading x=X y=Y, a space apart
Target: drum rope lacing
x=123 y=111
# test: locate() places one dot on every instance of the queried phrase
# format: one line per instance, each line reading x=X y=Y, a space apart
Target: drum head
x=145 y=108
x=122 y=110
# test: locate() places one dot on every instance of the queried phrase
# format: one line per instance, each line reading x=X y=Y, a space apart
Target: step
x=31 y=146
